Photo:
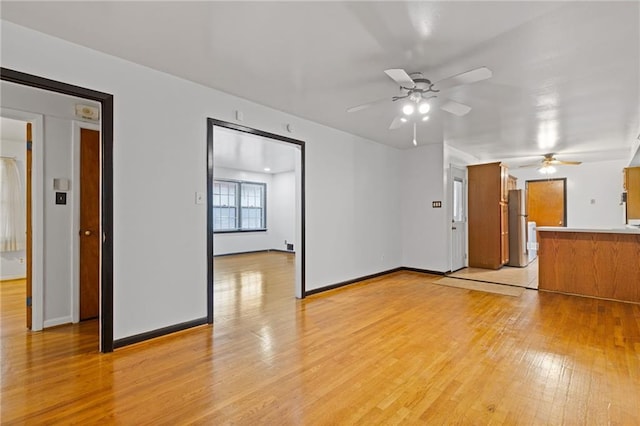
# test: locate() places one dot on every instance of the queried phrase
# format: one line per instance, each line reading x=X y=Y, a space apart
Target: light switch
x=61 y=198
x=199 y=197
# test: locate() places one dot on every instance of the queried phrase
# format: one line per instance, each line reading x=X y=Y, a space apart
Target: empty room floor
x=394 y=349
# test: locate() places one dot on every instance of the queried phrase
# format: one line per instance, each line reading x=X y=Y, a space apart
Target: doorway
x=106 y=197
x=547 y=201
x=458 y=203
x=217 y=127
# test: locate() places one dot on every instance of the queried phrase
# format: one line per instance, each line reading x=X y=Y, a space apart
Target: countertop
x=590 y=230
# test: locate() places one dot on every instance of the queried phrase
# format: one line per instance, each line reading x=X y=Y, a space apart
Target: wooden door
x=89 y=223
x=546 y=202
x=29 y=236
x=632 y=186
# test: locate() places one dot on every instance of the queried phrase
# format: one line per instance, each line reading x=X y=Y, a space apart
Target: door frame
x=106 y=131
x=211 y=123
x=564 y=195
x=463 y=171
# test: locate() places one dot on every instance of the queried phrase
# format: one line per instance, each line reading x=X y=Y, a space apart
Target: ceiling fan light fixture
x=408 y=109
x=424 y=108
x=547 y=169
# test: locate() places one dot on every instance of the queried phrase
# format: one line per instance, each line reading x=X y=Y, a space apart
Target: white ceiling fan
x=418 y=90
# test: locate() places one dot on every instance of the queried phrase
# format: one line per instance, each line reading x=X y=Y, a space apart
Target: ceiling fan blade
x=401 y=77
x=397 y=122
x=367 y=105
x=555 y=162
x=467 y=77
x=529 y=165
x=455 y=108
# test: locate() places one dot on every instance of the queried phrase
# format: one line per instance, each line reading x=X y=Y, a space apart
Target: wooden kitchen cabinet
x=488 y=213
x=632 y=187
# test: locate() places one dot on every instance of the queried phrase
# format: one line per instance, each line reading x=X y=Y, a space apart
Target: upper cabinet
x=632 y=187
x=488 y=215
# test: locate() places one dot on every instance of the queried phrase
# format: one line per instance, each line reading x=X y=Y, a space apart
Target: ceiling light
x=423 y=108
x=408 y=109
x=425 y=118
x=267 y=169
x=547 y=170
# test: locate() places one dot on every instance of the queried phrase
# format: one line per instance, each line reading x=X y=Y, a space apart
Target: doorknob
x=87 y=232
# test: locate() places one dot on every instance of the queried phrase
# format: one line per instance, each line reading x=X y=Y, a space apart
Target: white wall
x=13 y=263
x=425 y=236
x=282 y=214
x=635 y=153
x=598 y=181
x=352 y=209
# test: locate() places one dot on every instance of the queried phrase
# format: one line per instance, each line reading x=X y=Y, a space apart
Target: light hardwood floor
x=522 y=277
x=395 y=349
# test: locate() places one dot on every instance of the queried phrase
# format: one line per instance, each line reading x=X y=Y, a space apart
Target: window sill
x=239 y=231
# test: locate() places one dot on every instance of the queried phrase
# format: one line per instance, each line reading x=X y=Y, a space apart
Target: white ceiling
x=565 y=74
x=243 y=151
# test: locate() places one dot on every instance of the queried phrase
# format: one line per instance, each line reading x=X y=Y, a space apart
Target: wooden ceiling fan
x=548 y=163
x=550 y=160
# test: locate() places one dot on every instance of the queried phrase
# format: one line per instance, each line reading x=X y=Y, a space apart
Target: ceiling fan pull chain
x=415 y=141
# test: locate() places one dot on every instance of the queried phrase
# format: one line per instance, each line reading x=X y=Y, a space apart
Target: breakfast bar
x=603 y=263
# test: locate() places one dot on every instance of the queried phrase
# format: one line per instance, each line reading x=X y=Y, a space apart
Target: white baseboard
x=57 y=321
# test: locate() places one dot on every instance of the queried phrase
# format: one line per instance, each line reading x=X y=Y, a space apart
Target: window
x=239 y=206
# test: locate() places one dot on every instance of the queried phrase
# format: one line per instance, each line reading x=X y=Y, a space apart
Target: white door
x=458 y=218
